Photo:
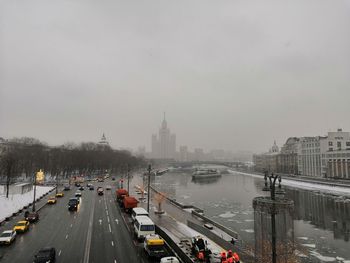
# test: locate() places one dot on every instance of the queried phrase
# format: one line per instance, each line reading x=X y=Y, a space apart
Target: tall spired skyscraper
x=164 y=146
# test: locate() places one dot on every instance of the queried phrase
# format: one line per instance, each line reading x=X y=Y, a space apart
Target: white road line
x=75 y=217
x=108 y=219
x=66 y=236
x=110 y=229
x=71 y=225
x=59 y=253
x=112 y=244
x=115 y=261
x=89 y=233
x=107 y=212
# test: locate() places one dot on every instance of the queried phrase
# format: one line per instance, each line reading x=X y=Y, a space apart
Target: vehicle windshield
x=7 y=234
x=21 y=224
x=147 y=228
x=156 y=248
x=44 y=254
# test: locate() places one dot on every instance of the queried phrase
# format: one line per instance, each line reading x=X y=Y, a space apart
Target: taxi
x=60 y=194
x=21 y=226
x=52 y=200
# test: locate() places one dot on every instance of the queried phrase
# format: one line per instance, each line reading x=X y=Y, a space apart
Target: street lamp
x=127 y=174
x=35 y=175
x=149 y=183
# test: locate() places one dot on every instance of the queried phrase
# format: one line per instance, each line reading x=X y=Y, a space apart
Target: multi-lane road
x=95 y=233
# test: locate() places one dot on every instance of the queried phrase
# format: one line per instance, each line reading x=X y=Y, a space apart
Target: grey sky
x=230 y=74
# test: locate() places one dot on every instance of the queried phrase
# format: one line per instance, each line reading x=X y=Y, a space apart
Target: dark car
x=32 y=217
x=113 y=178
x=91 y=187
x=66 y=188
x=77 y=184
x=73 y=204
x=47 y=254
x=81 y=188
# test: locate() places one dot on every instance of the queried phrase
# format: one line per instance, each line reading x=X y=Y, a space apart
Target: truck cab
x=154 y=246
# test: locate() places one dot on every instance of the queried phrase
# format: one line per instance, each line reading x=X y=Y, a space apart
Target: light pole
x=127 y=174
x=149 y=184
x=273 y=179
x=34 y=192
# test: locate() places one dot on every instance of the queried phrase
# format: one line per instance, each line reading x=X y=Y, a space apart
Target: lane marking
x=59 y=253
x=89 y=233
x=75 y=217
x=67 y=236
x=108 y=219
x=112 y=243
x=107 y=212
x=110 y=229
x=115 y=261
x=100 y=221
x=71 y=225
x=117 y=221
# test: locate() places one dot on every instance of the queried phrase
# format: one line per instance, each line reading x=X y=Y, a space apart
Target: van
x=143 y=226
x=138 y=211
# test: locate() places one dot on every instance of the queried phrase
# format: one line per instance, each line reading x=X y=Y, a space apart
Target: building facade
x=163 y=146
x=288 y=157
x=267 y=161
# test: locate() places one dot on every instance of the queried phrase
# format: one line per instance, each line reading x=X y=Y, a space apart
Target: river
x=321 y=220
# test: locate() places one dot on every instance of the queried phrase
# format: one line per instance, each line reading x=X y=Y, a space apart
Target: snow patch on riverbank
x=306 y=185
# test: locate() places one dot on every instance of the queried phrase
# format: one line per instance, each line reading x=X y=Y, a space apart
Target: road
x=96 y=233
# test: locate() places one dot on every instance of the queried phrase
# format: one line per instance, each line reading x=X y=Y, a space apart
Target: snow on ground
x=17 y=201
x=307 y=185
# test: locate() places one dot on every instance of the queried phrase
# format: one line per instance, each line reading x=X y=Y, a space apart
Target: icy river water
x=321 y=220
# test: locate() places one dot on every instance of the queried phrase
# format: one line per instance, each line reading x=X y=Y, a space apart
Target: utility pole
x=127 y=174
x=273 y=178
x=34 y=192
x=149 y=184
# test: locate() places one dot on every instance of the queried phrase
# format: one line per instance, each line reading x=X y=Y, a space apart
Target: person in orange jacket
x=223 y=257
x=236 y=257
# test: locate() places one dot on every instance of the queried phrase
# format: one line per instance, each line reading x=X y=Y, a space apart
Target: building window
x=330 y=143
x=339 y=144
x=330 y=149
x=347 y=143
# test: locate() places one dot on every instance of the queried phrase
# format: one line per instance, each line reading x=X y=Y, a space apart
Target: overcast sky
x=230 y=74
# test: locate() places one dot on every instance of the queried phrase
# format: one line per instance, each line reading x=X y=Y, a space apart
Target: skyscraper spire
x=164 y=124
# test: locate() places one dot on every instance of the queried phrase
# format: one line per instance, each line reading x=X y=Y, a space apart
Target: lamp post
x=127 y=174
x=33 y=209
x=149 y=184
x=273 y=179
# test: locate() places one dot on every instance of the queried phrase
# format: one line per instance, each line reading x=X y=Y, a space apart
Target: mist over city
x=174 y=131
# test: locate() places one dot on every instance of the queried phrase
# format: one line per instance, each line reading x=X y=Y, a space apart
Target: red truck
x=121 y=193
x=129 y=203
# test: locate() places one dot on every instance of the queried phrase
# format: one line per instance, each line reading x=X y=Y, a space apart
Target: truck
x=129 y=202
x=154 y=246
x=121 y=193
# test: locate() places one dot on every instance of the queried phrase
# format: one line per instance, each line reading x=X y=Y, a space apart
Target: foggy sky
x=230 y=74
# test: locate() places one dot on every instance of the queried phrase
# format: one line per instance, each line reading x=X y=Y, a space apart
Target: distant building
x=267 y=161
x=198 y=155
x=103 y=141
x=288 y=157
x=163 y=146
x=184 y=155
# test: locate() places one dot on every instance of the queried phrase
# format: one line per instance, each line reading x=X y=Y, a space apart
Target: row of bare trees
x=24 y=156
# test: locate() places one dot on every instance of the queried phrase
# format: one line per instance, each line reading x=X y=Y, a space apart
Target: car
x=78 y=194
x=66 y=188
x=100 y=190
x=169 y=260
x=45 y=255
x=73 y=204
x=88 y=185
x=60 y=194
x=52 y=200
x=21 y=226
x=91 y=187
x=77 y=184
x=7 y=237
x=32 y=217
x=108 y=187
x=81 y=188
x=113 y=178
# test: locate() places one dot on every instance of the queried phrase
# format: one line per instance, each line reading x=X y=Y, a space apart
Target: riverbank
x=330 y=187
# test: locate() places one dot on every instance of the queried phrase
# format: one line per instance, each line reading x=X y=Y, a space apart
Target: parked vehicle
x=32 y=217
x=121 y=193
x=129 y=202
x=7 y=237
x=154 y=246
x=169 y=260
x=143 y=226
x=52 y=200
x=47 y=254
x=138 y=211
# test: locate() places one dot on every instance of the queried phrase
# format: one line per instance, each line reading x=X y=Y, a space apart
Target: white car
x=108 y=187
x=78 y=194
x=7 y=237
x=169 y=260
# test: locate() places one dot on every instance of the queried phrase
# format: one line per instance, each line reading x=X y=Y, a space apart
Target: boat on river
x=206 y=174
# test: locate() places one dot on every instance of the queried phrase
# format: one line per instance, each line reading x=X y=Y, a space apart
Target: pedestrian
x=236 y=257
x=223 y=257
